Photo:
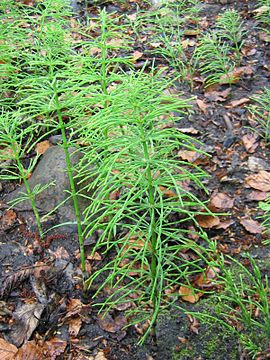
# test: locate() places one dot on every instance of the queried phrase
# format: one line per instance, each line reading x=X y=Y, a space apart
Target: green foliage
x=243 y=305
x=135 y=156
x=212 y=56
x=261 y=114
x=263 y=11
x=230 y=27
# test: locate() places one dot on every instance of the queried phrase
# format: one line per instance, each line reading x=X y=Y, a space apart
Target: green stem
x=70 y=177
x=30 y=194
x=153 y=265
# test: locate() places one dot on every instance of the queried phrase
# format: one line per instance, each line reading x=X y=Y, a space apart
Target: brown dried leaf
x=188 y=294
x=259 y=181
x=7 y=350
x=136 y=55
x=110 y=324
x=8 y=218
x=189 y=130
x=194 y=324
x=167 y=192
x=252 y=226
x=74 y=326
x=235 y=75
x=207 y=221
x=250 y=142
x=30 y=351
x=224 y=224
x=100 y=356
x=238 y=102
x=202 y=105
x=217 y=95
x=42 y=147
x=256 y=195
x=222 y=201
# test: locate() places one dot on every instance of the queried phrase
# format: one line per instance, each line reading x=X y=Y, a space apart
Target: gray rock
x=52 y=168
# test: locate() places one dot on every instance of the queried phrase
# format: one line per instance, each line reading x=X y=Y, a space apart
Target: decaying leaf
x=74 y=326
x=8 y=218
x=238 y=102
x=110 y=324
x=202 y=105
x=42 y=147
x=27 y=319
x=30 y=351
x=250 y=142
x=256 y=195
x=207 y=221
x=194 y=324
x=222 y=201
x=252 y=226
x=188 y=294
x=7 y=350
x=259 y=181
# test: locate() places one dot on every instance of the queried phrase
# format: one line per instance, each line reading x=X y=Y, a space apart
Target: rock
x=52 y=168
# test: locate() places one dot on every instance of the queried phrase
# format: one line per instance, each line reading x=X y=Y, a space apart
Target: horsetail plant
x=143 y=229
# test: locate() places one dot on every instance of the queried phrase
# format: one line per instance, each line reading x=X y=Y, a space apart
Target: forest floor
x=68 y=327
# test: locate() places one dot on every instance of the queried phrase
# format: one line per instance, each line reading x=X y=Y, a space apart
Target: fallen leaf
x=222 y=201
x=256 y=195
x=193 y=157
x=259 y=181
x=30 y=351
x=238 y=102
x=167 y=192
x=42 y=147
x=250 y=142
x=252 y=226
x=7 y=350
x=188 y=294
x=202 y=105
x=74 y=326
x=100 y=356
x=261 y=10
x=189 y=130
x=257 y=164
x=110 y=324
x=234 y=76
x=136 y=55
x=225 y=224
x=194 y=324
x=132 y=16
x=217 y=95
x=8 y=218
x=27 y=319
x=207 y=221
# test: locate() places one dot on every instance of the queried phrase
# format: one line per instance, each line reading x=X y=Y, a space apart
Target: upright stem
x=30 y=194
x=153 y=265
x=70 y=177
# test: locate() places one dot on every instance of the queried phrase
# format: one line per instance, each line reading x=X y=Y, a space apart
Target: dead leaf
x=259 y=181
x=261 y=10
x=30 y=351
x=256 y=164
x=252 y=226
x=202 y=105
x=188 y=294
x=217 y=95
x=136 y=55
x=27 y=319
x=132 y=16
x=167 y=192
x=7 y=350
x=74 y=326
x=8 y=218
x=189 y=130
x=225 y=224
x=222 y=201
x=194 y=324
x=54 y=348
x=42 y=147
x=250 y=142
x=256 y=195
x=100 y=356
x=207 y=221
x=235 y=75
x=193 y=157
x=110 y=324
x=238 y=102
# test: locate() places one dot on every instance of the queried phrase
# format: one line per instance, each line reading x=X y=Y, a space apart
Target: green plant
x=16 y=140
x=260 y=112
x=230 y=27
x=139 y=202
x=263 y=11
x=212 y=58
x=243 y=304
x=265 y=206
